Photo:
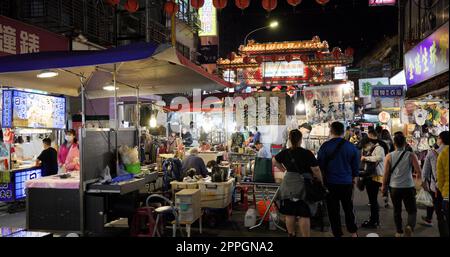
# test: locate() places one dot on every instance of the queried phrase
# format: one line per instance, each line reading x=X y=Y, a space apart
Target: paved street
x=236 y=226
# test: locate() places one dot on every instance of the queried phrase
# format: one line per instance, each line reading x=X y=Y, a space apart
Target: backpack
x=171 y=171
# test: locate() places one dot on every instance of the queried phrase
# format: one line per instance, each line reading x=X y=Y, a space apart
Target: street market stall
x=132 y=70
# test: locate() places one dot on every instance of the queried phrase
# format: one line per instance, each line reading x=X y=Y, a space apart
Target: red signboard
x=381 y=2
x=19 y=38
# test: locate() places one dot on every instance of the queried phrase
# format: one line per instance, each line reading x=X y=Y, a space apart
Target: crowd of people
x=374 y=162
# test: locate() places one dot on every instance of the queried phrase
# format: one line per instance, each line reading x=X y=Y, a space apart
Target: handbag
x=314 y=190
x=370 y=168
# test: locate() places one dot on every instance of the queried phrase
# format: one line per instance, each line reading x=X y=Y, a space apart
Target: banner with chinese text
x=326 y=104
x=429 y=58
x=20 y=38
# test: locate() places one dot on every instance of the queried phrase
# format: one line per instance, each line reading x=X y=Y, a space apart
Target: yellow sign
x=208 y=19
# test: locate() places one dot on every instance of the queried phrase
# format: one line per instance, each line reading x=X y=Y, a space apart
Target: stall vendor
x=172 y=143
x=204 y=147
x=187 y=137
x=263 y=152
x=195 y=162
x=48 y=159
x=72 y=162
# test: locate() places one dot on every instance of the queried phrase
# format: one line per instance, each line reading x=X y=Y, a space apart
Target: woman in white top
x=399 y=167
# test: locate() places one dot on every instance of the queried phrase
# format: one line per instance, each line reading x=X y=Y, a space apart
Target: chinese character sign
x=429 y=58
x=20 y=38
x=329 y=103
x=208 y=19
x=365 y=85
x=387 y=96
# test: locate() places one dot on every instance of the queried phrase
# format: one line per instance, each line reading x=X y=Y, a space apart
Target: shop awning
x=154 y=69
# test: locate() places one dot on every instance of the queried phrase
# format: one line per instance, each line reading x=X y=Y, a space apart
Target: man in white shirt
x=263 y=152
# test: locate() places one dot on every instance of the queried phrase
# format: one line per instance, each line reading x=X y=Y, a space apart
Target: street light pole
x=251 y=32
x=273 y=24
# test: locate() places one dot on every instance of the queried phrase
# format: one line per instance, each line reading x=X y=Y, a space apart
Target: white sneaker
x=408 y=231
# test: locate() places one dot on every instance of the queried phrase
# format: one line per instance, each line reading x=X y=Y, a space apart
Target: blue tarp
x=66 y=59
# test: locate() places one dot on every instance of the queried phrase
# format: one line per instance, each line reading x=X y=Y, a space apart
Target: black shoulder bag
x=392 y=170
x=314 y=190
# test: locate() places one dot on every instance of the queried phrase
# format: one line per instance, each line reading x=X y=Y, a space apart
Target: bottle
x=250 y=218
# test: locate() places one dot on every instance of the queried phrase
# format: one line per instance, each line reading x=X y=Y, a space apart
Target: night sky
x=343 y=23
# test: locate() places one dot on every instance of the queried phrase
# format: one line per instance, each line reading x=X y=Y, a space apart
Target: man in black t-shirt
x=48 y=159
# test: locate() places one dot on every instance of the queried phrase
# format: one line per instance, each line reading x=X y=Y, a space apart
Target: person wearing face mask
x=72 y=158
x=373 y=159
x=63 y=151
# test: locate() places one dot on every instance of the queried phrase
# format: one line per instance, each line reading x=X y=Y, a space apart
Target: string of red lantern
x=220 y=4
x=170 y=7
x=242 y=4
x=269 y=5
x=197 y=4
x=131 y=6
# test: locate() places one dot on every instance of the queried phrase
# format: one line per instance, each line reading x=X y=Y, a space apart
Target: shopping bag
x=423 y=198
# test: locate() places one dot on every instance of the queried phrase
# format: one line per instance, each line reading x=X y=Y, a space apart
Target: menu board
x=32 y=110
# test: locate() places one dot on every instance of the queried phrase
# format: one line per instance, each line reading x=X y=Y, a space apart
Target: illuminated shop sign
x=427 y=59
x=208 y=19
x=283 y=69
x=340 y=73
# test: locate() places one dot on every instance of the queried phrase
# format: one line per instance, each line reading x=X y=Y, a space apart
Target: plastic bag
x=424 y=198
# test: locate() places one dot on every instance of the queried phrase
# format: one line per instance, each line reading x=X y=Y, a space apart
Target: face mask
x=69 y=138
x=374 y=141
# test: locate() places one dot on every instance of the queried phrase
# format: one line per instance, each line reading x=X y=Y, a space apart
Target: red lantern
x=294 y=2
x=304 y=58
x=349 y=52
x=288 y=58
x=246 y=60
x=259 y=59
x=170 y=7
x=336 y=53
x=197 y=4
x=322 y=2
x=242 y=4
x=269 y=5
x=220 y=4
x=112 y=2
x=274 y=58
x=131 y=6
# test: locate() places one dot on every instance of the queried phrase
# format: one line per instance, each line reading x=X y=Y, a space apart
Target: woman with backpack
x=399 y=168
x=299 y=163
x=373 y=162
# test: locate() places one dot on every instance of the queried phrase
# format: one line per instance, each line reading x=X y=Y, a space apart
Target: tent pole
x=116 y=113
x=138 y=122
x=83 y=135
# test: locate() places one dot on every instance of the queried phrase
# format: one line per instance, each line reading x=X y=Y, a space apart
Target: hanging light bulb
x=152 y=122
x=300 y=107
